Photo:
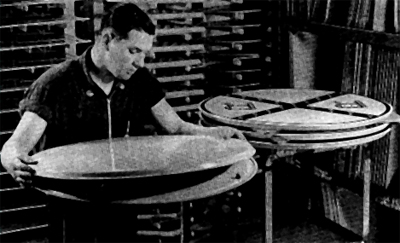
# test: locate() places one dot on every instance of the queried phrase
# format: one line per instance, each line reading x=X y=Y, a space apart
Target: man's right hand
x=18 y=167
x=14 y=155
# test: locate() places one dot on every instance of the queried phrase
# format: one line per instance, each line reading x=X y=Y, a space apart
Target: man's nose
x=139 y=60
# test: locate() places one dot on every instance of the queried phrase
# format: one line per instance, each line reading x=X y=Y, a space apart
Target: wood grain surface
x=136 y=157
x=212 y=184
x=296 y=110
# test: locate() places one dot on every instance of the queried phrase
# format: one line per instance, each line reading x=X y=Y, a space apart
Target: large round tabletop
x=300 y=118
x=149 y=169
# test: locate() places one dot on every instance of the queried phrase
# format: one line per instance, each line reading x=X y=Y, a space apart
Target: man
x=104 y=93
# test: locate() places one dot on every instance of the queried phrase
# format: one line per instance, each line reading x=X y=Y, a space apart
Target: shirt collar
x=88 y=65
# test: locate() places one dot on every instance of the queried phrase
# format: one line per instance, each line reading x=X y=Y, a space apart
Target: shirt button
x=89 y=93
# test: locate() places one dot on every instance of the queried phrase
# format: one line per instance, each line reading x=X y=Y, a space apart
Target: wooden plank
x=348 y=34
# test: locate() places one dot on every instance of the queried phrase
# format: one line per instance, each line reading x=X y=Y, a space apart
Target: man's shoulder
x=59 y=74
x=144 y=72
x=144 y=77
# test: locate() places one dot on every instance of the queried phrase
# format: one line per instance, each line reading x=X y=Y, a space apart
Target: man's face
x=125 y=56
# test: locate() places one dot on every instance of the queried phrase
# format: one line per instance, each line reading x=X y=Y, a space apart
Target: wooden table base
x=268 y=218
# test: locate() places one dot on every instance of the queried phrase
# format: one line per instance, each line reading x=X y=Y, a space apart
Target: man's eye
x=132 y=51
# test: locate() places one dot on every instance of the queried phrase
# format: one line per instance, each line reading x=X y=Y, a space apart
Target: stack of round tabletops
x=149 y=168
x=300 y=118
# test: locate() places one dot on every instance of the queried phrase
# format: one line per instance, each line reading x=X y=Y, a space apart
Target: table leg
x=366 y=198
x=268 y=218
x=268 y=202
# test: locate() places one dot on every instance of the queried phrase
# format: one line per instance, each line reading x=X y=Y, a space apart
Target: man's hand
x=18 y=167
x=224 y=132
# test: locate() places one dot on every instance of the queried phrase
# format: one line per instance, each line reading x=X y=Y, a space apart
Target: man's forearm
x=188 y=128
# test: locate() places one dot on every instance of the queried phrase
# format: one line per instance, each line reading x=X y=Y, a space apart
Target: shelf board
x=32 y=68
x=183 y=63
x=180 y=31
x=6 y=111
x=40 y=23
x=16 y=89
x=24 y=229
x=6 y=132
x=22 y=208
x=181 y=78
x=177 y=16
x=348 y=34
x=185 y=93
x=186 y=108
x=157 y=1
x=28 y=3
x=198 y=47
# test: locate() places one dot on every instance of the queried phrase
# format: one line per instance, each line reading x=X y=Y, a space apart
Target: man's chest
x=93 y=118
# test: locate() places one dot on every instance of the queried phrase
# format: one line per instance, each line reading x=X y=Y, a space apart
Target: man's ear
x=106 y=37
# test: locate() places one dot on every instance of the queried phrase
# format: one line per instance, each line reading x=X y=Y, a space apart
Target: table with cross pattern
x=290 y=121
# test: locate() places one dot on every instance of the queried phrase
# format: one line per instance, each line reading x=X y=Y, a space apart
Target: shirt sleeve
x=37 y=99
x=154 y=91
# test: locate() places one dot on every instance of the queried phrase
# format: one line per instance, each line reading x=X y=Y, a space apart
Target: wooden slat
x=16 y=89
x=28 y=3
x=160 y=233
x=10 y=100
x=186 y=108
x=30 y=47
x=19 y=198
x=6 y=111
x=157 y=216
x=157 y=1
x=180 y=78
x=183 y=63
x=185 y=93
x=37 y=233
x=22 y=208
x=53 y=22
x=199 y=47
x=180 y=31
x=12 y=222
x=6 y=132
x=176 y=16
x=7 y=182
x=32 y=68
x=348 y=34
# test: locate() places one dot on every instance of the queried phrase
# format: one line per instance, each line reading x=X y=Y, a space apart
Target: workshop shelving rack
x=202 y=48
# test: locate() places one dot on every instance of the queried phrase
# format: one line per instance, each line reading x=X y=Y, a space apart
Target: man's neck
x=99 y=71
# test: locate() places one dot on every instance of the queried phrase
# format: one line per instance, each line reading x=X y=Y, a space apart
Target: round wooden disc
x=293 y=137
x=136 y=157
x=295 y=110
x=318 y=146
x=236 y=175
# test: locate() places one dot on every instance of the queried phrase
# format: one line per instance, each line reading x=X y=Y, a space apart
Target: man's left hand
x=225 y=133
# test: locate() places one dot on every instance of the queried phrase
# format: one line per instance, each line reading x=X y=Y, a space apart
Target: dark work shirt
x=76 y=109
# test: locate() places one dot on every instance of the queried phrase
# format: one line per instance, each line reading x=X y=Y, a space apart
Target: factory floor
x=298 y=228
x=310 y=230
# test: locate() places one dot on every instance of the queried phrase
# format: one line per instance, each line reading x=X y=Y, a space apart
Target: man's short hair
x=124 y=17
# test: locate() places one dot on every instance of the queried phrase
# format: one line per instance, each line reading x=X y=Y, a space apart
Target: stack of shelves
x=239 y=45
x=34 y=36
x=359 y=44
x=202 y=48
